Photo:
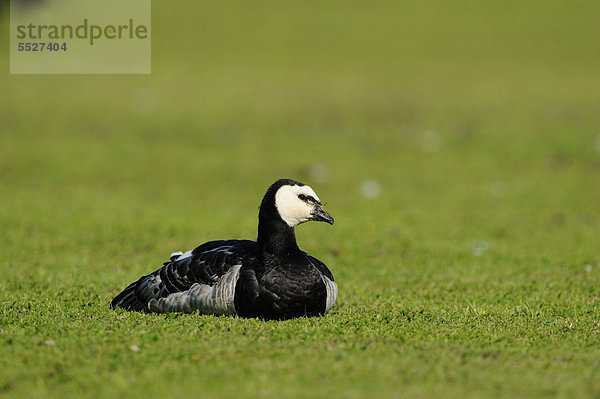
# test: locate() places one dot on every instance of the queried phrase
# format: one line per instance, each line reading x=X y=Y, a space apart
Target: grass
x=475 y=273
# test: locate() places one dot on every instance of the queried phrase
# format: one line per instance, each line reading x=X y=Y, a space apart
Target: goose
x=270 y=278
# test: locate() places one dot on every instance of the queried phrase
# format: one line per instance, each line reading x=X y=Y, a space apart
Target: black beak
x=321 y=215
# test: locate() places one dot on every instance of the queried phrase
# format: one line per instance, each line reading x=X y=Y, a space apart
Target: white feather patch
x=292 y=209
x=180 y=255
x=216 y=299
x=332 y=290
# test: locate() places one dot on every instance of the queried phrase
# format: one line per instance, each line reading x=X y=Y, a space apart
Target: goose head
x=296 y=203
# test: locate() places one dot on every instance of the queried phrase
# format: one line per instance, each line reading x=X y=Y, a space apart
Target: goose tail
x=128 y=299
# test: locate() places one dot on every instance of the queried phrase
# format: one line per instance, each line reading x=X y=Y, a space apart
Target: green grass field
x=473 y=274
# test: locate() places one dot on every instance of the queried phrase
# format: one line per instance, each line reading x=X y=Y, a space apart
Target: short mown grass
x=474 y=273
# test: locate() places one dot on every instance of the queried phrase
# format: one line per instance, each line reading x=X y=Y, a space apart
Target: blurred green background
x=457 y=144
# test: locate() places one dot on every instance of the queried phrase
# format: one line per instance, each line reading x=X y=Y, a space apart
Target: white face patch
x=292 y=209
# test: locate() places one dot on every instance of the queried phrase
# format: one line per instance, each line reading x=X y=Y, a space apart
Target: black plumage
x=270 y=278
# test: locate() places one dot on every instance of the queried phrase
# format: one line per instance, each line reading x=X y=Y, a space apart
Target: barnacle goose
x=270 y=278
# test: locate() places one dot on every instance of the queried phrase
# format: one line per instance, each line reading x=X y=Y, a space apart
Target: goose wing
x=327 y=278
x=203 y=279
x=320 y=266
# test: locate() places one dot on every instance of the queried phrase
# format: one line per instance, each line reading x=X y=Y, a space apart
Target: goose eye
x=309 y=199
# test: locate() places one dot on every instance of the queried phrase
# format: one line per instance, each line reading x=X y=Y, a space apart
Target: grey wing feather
x=327 y=278
x=186 y=282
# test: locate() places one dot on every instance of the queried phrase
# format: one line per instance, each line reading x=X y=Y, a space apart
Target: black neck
x=276 y=237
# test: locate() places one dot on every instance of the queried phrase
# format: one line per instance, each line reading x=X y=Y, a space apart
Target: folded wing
x=203 y=279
